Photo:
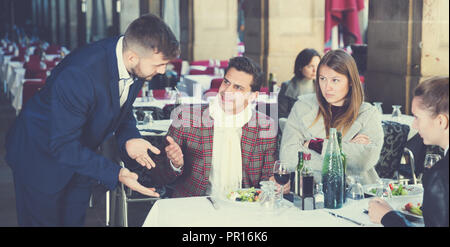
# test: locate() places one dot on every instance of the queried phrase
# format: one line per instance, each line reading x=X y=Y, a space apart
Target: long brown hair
x=341 y=62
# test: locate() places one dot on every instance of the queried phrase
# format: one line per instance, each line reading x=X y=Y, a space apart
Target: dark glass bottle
x=307 y=177
x=270 y=82
x=298 y=173
x=332 y=174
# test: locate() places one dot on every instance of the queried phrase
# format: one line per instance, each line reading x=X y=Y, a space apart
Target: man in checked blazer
x=224 y=145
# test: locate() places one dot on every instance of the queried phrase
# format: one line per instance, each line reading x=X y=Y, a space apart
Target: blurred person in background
x=305 y=69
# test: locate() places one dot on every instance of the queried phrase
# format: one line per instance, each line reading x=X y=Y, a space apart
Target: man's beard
x=137 y=76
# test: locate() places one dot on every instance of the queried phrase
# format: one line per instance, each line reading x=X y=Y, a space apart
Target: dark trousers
x=64 y=208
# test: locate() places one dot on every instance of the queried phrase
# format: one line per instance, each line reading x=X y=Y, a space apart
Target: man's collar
x=123 y=73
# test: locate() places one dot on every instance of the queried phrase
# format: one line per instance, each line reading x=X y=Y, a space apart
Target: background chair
x=215 y=83
x=30 y=88
x=117 y=201
x=395 y=137
x=207 y=71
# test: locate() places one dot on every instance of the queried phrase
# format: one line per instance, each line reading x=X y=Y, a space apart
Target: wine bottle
x=270 y=82
x=332 y=174
x=298 y=173
x=307 y=177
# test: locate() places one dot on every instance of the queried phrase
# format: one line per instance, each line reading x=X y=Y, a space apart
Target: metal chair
x=125 y=195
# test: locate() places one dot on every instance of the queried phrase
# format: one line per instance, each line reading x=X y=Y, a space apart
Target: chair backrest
x=207 y=71
x=264 y=90
x=160 y=94
x=30 y=88
x=395 y=138
x=36 y=74
x=215 y=83
x=53 y=49
x=200 y=62
x=177 y=65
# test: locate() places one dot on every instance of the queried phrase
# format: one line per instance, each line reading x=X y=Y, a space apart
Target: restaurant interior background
x=399 y=43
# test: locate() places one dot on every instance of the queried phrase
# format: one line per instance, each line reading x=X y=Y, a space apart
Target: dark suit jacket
x=60 y=129
x=193 y=130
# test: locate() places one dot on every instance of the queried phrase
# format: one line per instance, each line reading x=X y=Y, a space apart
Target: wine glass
x=150 y=95
x=148 y=117
x=355 y=191
x=431 y=160
x=396 y=112
x=281 y=173
x=378 y=106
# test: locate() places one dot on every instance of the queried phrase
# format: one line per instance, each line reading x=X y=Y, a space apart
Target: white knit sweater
x=361 y=158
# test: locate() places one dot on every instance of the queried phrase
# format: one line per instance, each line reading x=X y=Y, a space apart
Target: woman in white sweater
x=337 y=103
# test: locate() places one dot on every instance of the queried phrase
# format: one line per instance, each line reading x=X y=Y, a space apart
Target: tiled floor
x=95 y=216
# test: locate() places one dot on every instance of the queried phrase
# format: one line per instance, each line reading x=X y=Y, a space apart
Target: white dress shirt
x=125 y=79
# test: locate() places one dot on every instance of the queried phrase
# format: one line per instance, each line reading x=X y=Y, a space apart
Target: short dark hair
x=303 y=59
x=434 y=94
x=150 y=32
x=247 y=65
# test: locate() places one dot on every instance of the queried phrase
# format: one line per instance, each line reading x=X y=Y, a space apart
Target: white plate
x=405 y=212
x=241 y=202
x=413 y=190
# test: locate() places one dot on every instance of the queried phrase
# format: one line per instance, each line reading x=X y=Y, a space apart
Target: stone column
x=215 y=29
x=407 y=40
x=129 y=11
x=293 y=26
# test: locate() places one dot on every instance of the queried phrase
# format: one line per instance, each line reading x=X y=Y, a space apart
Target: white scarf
x=226 y=167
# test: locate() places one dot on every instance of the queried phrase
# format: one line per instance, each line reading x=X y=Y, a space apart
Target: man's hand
x=137 y=150
x=174 y=153
x=377 y=209
x=130 y=180
x=286 y=187
x=361 y=139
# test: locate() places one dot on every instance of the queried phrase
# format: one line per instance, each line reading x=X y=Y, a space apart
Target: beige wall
x=435 y=38
x=215 y=29
x=293 y=26
x=128 y=13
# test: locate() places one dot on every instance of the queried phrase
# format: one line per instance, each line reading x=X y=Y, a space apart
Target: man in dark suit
x=52 y=147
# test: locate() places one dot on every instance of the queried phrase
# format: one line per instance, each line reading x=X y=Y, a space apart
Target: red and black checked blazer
x=194 y=127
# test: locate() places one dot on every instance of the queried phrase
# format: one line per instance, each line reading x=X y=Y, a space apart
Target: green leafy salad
x=244 y=195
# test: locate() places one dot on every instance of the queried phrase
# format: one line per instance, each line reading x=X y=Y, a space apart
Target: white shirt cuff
x=175 y=168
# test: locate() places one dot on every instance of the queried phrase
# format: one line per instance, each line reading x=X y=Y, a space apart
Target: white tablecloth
x=198 y=212
x=198 y=84
x=159 y=125
x=160 y=103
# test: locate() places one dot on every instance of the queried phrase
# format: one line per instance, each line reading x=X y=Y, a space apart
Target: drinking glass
x=137 y=117
x=355 y=189
x=378 y=106
x=383 y=189
x=148 y=117
x=396 y=112
x=150 y=95
x=431 y=160
x=281 y=173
